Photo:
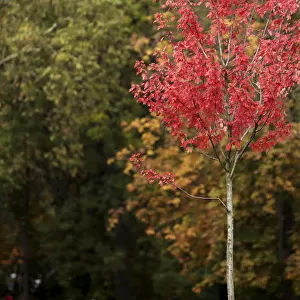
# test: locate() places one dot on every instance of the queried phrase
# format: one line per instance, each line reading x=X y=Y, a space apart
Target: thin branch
x=245 y=133
x=240 y=154
x=249 y=141
x=51 y=28
x=210 y=138
x=258 y=90
x=8 y=58
x=257 y=49
x=265 y=122
x=207 y=155
x=266 y=27
x=220 y=48
x=202 y=49
x=199 y=197
x=228 y=47
x=248 y=25
x=216 y=152
x=12 y=56
x=234 y=164
x=222 y=152
x=234 y=112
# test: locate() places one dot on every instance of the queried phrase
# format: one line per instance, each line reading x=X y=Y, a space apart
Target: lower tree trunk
x=229 y=254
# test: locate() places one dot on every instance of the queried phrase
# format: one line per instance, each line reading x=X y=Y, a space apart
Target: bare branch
x=222 y=152
x=265 y=122
x=51 y=28
x=199 y=197
x=248 y=25
x=220 y=48
x=236 y=158
x=239 y=155
x=202 y=49
x=257 y=49
x=228 y=47
x=8 y=58
x=245 y=133
x=12 y=56
x=205 y=154
x=216 y=153
x=210 y=138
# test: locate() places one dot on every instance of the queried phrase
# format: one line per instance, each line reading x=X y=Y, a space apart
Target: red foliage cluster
x=209 y=88
x=151 y=175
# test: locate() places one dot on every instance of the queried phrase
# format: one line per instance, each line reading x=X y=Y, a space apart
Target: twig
x=8 y=58
x=216 y=152
x=220 y=48
x=199 y=197
x=248 y=25
x=207 y=155
x=239 y=155
x=257 y=49
x=222 y=152
x=228 y=47
x=12 y=56
x=258 y=46
x=265 y=122
x=245 y=133
x=202 y=49
x=51 y=28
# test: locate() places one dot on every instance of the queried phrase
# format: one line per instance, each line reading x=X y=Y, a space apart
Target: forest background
x=75 y=221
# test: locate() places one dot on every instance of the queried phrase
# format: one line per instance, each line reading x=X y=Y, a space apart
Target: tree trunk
x=229 y=254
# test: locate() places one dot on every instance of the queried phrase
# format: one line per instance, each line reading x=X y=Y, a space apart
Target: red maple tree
x=214 y=91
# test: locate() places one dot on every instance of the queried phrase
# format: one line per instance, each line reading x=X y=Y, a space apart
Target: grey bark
x=229 y=253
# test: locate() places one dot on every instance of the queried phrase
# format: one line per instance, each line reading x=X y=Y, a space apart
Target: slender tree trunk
x=229 y=254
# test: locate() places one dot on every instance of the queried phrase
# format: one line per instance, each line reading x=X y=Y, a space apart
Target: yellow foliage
x=195 y=229
x=253 y=41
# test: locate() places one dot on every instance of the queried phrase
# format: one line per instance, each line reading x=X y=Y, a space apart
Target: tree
x=63 y=65
x=212 y=92
x=265 y=198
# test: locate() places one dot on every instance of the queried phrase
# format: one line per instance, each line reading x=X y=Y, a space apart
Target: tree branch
x=210 y=138
x=257 y=49
x=198 y=197
x=239 y=155
x=216 y=152
x=12 y=56
x=8 y=58
x=51 y=28
x=207 y=155
x=248 y=25
x=245 y=133
x=202 y=49
x=220 y=49
x=263 y=125
x=228 y=47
